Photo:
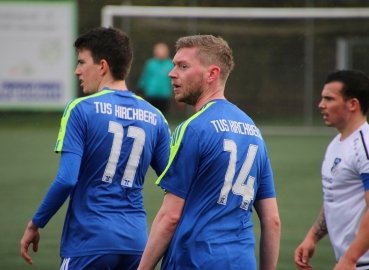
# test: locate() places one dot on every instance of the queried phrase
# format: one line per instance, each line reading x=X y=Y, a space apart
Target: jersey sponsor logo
x=327 y=179
x=327 y=189
x=328 y=197
x=334 y=169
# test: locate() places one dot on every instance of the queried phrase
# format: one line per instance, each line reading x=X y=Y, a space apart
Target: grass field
x=28 y=166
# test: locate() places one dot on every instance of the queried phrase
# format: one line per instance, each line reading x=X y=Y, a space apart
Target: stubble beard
x=191 y=94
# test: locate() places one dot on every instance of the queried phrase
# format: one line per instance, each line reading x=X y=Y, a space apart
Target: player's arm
x=306 y=249
x=360 y=245
x=59 y=191
x=162 y=230
x=270 y=224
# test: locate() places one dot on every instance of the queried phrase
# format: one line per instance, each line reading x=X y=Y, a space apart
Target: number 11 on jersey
x=138 y=135
x=239 y=187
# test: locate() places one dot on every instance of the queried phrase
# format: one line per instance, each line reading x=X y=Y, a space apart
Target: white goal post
x=109 y=12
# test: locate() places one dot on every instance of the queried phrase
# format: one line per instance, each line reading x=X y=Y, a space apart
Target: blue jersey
x=118 y=136
x=220 y=166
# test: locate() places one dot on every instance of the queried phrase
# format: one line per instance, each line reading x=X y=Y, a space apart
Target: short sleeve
x=183 y=163
x=266 y=187
x=72 y=130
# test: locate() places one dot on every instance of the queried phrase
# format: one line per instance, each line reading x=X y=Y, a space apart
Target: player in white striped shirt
x=345 y=175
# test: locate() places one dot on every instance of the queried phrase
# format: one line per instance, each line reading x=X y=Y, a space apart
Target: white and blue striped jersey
x=118 y=136
x=220 y=166
x=345 y=178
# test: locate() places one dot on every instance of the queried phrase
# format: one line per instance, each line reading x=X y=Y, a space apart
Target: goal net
x=282 y=55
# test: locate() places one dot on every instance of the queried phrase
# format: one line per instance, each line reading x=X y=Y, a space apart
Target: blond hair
x=211 y=51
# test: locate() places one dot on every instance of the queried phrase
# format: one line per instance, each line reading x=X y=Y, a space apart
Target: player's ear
x=214 y=73
x=104 y=66
x=354 y=104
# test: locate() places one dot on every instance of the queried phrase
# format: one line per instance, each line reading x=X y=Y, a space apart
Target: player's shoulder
x=361 y=138
x=363 y=131
x=355 y=147
x=360 y=135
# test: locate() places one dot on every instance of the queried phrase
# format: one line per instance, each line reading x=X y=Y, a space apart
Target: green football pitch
x=28 y=166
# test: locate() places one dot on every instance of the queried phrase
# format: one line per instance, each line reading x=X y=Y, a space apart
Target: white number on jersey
x=139 y=139
x=239 y=188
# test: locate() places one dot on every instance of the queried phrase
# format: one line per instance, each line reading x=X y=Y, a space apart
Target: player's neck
x=208 y=96
x=113 y=84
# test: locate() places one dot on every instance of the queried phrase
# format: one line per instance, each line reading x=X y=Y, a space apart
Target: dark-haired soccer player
x=345 y=174
x=218 y=170
x=107 y=141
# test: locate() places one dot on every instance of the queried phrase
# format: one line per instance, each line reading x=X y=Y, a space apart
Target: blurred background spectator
x=154 y=83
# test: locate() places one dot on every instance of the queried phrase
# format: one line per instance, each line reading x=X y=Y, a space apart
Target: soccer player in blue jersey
x=107 y=141
x=218 y=171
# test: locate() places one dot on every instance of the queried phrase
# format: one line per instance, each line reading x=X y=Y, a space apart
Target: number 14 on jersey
x=246 y=190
